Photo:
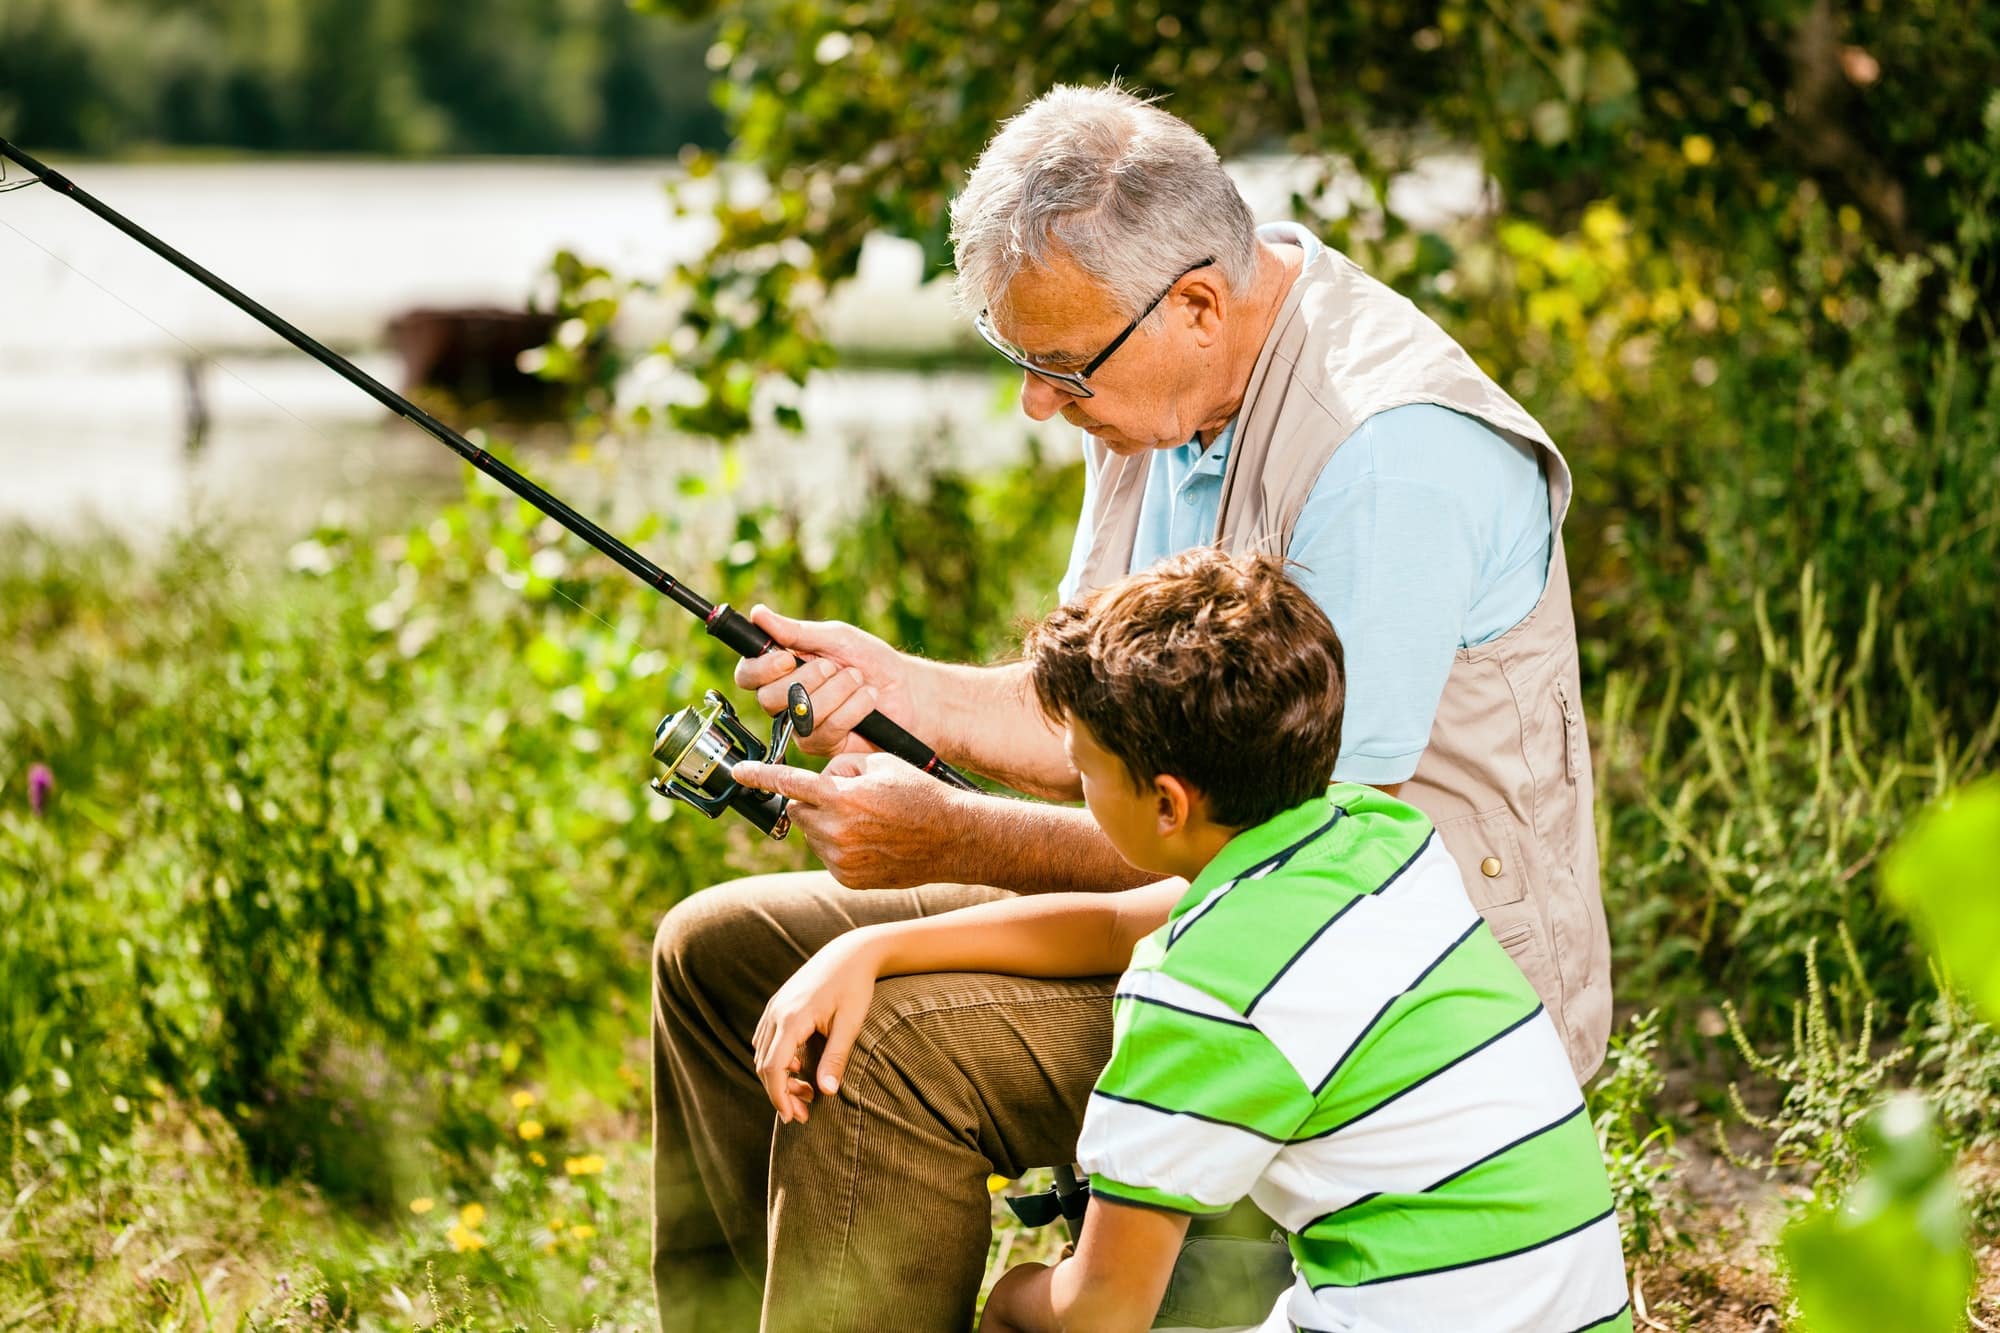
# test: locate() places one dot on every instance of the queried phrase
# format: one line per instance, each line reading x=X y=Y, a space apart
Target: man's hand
x=829 y=996
x=849 y=673
x=875 y=822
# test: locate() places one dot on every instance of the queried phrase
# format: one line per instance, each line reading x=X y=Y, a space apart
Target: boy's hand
x=828 y=996
x=1112 y=1284
x=1017 y=1300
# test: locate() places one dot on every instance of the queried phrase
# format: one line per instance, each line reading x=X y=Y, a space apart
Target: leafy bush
x=315 y=836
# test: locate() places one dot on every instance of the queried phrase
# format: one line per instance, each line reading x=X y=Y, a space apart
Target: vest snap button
x=1490 y=867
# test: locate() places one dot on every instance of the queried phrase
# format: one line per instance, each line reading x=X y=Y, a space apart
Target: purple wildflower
x=40 y=783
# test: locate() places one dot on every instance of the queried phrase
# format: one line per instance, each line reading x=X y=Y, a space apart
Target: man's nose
x=1039 y=398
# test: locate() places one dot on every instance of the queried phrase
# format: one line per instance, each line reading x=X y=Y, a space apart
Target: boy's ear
x=1175 y=804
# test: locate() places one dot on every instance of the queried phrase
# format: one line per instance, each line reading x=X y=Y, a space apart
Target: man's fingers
x=824 y=680
x=840 y=707
x=780 y=627
x=756 y=673
x=800 y=784
x=808 y=638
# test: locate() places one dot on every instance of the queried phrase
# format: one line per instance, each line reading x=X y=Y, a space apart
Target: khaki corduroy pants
x=873 y=1215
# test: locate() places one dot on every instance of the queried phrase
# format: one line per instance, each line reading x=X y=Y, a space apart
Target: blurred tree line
x=1698 y=120
x=362 y=76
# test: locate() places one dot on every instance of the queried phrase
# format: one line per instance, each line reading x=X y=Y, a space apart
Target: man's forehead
x=1051 y=310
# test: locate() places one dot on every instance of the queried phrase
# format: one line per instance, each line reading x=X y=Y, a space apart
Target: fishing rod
x=699 y=745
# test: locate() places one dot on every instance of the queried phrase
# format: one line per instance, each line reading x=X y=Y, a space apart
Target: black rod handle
x=876 y=728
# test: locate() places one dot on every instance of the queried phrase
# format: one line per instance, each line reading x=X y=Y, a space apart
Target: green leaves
x=1893 y=1255
x=1945 y=873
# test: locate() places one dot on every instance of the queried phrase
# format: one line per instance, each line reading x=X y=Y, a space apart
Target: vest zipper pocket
x=1569 y=729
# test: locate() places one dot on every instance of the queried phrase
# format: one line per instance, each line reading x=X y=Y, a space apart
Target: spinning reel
x=701 y=746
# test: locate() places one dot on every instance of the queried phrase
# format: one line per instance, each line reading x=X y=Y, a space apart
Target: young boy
x=1316 y=1018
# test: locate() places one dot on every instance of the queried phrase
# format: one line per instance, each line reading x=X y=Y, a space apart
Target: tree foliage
x=1739 y=257
x=399 y=76
x=1694 y=120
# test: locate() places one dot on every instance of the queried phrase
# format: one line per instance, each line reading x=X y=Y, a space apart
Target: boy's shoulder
x=1277 y=890
x=1351 y=949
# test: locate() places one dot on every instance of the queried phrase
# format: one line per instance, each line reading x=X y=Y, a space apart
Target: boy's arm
x=1113 y=1283
x=1051 y=935
x=1046 y=935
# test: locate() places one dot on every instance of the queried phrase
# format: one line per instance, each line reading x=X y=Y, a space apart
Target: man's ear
x=1206 y=303
x=1174 y=805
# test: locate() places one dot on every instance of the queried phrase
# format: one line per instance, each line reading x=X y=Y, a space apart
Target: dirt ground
x=1717 y=1273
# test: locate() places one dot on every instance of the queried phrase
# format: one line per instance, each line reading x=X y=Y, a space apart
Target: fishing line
x=199 y=356
x=204 y=359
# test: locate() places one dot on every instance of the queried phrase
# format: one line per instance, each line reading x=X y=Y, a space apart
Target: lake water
x=102 y=344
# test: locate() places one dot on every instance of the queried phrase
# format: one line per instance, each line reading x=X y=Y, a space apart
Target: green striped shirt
x=1327 y=1026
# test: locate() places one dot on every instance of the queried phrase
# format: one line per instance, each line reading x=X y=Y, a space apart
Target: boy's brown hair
x=1218 y=670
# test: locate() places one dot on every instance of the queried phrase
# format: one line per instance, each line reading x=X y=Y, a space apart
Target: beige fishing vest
x=1506 y=775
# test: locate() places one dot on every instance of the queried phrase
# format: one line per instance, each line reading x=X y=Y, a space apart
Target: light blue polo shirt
x=1426 y=533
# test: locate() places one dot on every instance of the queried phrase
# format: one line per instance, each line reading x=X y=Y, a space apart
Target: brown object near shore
x=472 y=354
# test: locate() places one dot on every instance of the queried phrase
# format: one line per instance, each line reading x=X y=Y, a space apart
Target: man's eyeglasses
x=1073 y=382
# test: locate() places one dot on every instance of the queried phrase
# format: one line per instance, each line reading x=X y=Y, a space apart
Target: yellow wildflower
x=523 y=1100
x=472 y=1215
x=464 y=1238
x=589 y=1164
x=582 y=1232
x=1603 y=223
x=1698 y=149
x=538 y=1159
x=421 y=1206
x=994 y=1184
x=530 y=1130
x=557 y=1224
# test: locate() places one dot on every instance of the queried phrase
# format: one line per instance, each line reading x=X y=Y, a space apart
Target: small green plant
x=1638 y=1147
x=1830 y=1081
x=1958 y=1067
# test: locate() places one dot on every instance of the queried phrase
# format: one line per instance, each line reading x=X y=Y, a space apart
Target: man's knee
x=698 y=928
x=967 y=1047
x=708 y=932
x=723 y=951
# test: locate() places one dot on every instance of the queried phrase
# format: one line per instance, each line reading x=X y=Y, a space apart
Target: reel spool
x=701 y=746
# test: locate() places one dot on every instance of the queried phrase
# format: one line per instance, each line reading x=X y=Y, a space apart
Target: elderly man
x=1235 y=384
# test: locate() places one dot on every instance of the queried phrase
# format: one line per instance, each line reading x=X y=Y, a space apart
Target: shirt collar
x=1265 y=840
x=1291 y=233
x=1216 y=457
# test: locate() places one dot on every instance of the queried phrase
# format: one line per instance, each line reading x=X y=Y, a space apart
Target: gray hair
x=1130 y=193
